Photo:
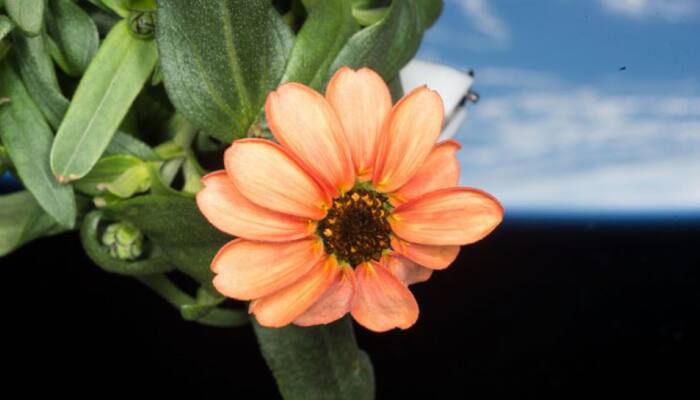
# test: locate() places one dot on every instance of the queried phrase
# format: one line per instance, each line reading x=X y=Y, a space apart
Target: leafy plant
x=110 y=108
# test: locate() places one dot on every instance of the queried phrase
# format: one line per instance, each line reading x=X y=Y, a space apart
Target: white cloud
x=583 y=148
x=484 y=20
x=671 y=10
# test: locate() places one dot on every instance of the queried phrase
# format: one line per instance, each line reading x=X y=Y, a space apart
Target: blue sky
x=560 y=126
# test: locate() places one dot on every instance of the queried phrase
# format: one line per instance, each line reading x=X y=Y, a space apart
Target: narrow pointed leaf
x=113 y=80
x=219 y=59
x=27 y=138
x=22 y=220
x=38 y=73
x=377 y=46
x=27 y=14
x=327 y=28
x=73 y=34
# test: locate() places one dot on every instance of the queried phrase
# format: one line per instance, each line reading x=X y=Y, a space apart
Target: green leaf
x=206 y=302
x=122 y=175
x=213 y=316
x=327 y=28
x=318 y=362
x=6 y=26
x=108 y=88
x=219 y=60
x=141 y=5
x=149 y=271
x=362 y=3
x=174 y=224
x=370 y=16
x=74 y=35
x=27 y=14
x=155 y=262
x=430 y=10
x=136 y=179
x=123 y=143
x=377 y=46
x=104 y=20
x=119 y=7
x=396 y=89
x=192 y=174
x=4 y=158
x=4 y=48
x=22 y=220
x=38 y=73
x=27 y=138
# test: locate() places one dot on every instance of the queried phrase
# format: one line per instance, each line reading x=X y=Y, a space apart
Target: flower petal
x=247 y=270
x=381 y=301
x=228 y=210
x=407 y=139
x=303 y=122
x=440 y=170
x=283 y=307
x=267 y=175
x=407 y=271
x=452 y=216
x=334 y=303
x=433 y=257
x=362 y=102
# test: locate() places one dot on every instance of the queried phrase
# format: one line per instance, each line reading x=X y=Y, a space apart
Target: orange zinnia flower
x=355 y=203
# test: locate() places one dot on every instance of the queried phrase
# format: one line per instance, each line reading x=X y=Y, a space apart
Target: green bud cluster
x=124 y=240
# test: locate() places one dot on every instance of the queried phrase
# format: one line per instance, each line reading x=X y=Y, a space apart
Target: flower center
x=355 y=229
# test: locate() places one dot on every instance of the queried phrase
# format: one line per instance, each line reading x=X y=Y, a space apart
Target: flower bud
x=124 y=240
x=142 y=24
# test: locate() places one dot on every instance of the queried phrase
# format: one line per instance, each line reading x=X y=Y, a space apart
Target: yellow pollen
x=327 y=232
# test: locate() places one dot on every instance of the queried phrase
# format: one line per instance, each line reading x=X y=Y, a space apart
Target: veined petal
x=407 y=271
x=433 y=257
x=303 y=122
x=453 y=216
x=381 y=301
x=284 y=306
x=440 y=170
x=362 y=102
x=334 y=303
x=407 y=138
x=247 y=270
x=228 y=210
x=267 y=175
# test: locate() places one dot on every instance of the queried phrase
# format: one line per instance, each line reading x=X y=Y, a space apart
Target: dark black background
x=589 y=305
